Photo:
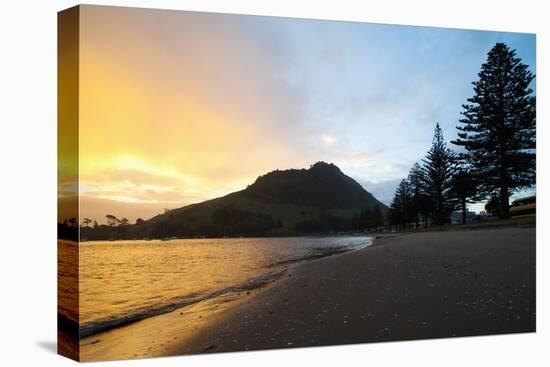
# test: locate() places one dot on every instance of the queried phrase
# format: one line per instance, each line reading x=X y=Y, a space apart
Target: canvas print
x=237 y=182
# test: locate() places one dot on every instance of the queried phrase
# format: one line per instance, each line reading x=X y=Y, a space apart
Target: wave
x=318 y=253
x=102 y=325
x=95 y=327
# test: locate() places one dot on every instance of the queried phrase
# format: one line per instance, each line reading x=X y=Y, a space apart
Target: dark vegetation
x=498 y=130
x=318 y=200
x=498 y=137
x=321 y=186
x=68 y=230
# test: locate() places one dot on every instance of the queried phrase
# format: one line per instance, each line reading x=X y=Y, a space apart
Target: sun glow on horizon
x=161 y=123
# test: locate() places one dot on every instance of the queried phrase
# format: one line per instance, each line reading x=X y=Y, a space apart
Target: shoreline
x=271 y=273
x=476 y=288
x=96 y=346
x=401 y=287
x=518 y=221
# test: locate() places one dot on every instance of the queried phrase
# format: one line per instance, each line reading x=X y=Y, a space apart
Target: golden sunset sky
x=180 y=107
x=174 y=109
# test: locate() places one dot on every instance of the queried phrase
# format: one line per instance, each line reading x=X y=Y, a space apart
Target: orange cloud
x=177 y=107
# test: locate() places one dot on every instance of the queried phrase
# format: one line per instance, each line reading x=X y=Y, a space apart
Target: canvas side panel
x=67 y=200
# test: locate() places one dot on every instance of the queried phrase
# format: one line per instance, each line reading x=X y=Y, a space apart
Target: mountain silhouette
x=321 y=199
x=323 y=185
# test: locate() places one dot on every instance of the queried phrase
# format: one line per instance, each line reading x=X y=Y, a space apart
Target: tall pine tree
x=401 y=212
x=438 y=170
x=421 y=204
x=463 y=188
x=498 y=128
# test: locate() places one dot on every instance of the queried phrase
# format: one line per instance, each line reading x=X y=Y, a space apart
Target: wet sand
x=157 y=336
x=415 y=286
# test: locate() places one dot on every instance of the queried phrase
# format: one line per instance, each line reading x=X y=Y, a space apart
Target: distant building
x=523 y=206
x=456 y=217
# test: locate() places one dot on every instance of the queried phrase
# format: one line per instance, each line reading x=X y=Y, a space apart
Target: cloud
x=180 y=107
x=97 y=208
x=136 y=177
x=189 y=105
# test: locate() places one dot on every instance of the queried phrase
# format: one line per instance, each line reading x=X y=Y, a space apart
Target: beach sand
x=415 y=286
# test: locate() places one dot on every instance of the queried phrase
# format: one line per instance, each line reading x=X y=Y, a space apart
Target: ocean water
x=126 y=281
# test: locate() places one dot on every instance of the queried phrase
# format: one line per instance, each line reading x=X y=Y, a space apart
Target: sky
x=180 y=107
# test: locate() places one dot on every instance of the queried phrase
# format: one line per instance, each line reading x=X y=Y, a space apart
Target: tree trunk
x=504 y=211
x=504 y=203
x=464 y=210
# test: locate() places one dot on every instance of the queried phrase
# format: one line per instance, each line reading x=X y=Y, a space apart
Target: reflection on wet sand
x=147 y=298
x=161 y=335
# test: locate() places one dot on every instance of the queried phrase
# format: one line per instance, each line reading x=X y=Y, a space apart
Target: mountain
x=320 y=199
x=323 y=185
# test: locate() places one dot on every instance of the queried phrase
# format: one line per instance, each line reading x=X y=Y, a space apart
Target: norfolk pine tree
x=438 y=170
x=498 y=128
